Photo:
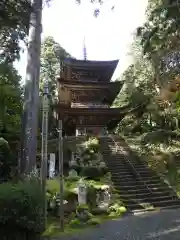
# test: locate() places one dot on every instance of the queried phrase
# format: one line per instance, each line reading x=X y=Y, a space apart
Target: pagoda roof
x=86 y=70
x=103 y=92
x=90 y=63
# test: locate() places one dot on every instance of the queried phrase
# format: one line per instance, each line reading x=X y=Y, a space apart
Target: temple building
x=85 y=97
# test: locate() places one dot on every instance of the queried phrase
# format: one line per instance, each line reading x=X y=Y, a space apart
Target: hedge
x=21 y=210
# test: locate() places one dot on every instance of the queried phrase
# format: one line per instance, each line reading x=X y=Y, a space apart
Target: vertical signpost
x=60 y=149
x=44 y=156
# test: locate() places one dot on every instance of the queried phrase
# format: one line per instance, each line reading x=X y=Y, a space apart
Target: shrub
x=117 y=210
x=94 y=221
x=6 y=160
x=94 y=172
x=82 y=213
x=53 y=196
x=77 y=168
x=75 y=223
x=91 y=196
x=21 y=207
x=72 y=178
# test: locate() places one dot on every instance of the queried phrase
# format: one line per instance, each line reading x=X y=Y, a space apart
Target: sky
x=107 y=37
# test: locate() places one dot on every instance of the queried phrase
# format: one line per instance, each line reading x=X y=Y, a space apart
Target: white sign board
x=52 y=165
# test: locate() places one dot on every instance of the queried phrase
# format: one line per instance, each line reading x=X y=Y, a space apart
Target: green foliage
x=160 y=39
x=21 y=208
x=52 y=57
x=10 y=103
x=82 y=213
x=6 y=160
x=74 y=223
x=161 y=28
x=145 y=84
x=14 y=24
x=94 y=221
x=116 y=210
x=93 y=172
x=53 y=194
x=91 y=196
x=89 y=153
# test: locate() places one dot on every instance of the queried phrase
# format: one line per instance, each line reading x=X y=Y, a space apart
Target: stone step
x=137 y=191
x=152 y=186
x=129 y=175
x=166 y=203
x=125 y=169
x=132 y=206
x=150 y=198
x=123 y=165
x=144 y=191
x=131 y=203
x=119 y=164
x=146 y=194
x=142 y=173
x=133 y=189
x=137 y=181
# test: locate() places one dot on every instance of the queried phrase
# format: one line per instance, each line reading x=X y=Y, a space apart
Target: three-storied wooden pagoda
x=86 y=95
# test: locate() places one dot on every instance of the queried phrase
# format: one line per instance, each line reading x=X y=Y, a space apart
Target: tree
x=10 y=118
x=31 y=94
x=52 y=55
x=10 y=103
x=142 y=89
x=160 y=39
x=14 y=24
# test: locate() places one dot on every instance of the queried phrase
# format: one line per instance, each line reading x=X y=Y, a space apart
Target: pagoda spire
x=84 y=50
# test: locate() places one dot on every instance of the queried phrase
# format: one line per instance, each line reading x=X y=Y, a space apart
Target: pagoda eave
x=91 y=121
x=89 y=84
x=90 y=111
x=105 y=93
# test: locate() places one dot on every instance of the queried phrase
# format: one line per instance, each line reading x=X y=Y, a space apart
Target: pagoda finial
x=84 y=49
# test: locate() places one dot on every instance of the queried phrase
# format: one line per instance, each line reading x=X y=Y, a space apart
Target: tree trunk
x=31 y=96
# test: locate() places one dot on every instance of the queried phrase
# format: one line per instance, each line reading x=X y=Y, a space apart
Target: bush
x=6 y=161
x=75 y=223
x=94 y=221
x=77 y=168
x=116 y=210
x=21 y=207
x=91 y=196
x=53 y=196
x=72 y=178
x=93 y=172
x=82 y=213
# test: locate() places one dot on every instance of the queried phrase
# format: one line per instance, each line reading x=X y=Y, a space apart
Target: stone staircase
x=139 y=187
